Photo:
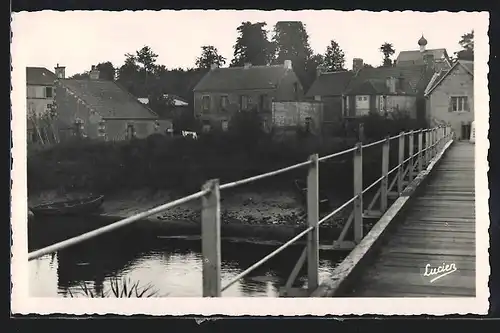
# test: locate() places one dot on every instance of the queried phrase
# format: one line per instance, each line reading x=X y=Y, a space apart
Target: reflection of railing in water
x=435 y=139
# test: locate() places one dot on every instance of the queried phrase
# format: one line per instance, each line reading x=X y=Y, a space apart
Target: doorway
x=465 y=131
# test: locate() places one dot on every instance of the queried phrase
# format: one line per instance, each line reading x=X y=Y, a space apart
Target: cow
x=193 y=135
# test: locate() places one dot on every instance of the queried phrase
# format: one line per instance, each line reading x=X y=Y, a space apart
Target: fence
x=429 y=143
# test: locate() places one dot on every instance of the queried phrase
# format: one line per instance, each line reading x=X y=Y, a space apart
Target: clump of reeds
x=119 y=288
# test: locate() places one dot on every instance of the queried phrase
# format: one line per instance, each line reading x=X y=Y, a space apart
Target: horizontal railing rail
x=435 y=139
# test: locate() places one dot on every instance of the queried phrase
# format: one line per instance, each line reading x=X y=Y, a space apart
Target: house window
x=130 y=131
x=224 y=102
x=308 y=124
x=362 y=103
x=205 y=103
x=243 y=102
x=48 y=92
x=264 y=103
x=206 y=126
x=459 y=104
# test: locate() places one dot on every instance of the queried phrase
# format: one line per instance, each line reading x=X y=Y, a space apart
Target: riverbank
x=254 y=216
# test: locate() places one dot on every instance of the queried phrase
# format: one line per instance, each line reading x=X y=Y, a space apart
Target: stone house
x=102 y=109
x=224 y=91
x=400 y=87
x=386 y=89
x=450 y=98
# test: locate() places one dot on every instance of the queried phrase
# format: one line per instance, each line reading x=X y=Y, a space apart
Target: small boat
x=79 y=206
x=301 y=186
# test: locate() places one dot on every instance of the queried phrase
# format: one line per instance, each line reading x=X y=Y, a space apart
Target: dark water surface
x=140 y=254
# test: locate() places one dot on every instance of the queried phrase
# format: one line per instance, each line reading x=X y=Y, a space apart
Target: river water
x=143 y=255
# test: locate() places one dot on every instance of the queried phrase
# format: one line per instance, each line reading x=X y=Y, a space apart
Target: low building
x=98 y=108
x=291 y=116
x=450 y=98
x=224 y=91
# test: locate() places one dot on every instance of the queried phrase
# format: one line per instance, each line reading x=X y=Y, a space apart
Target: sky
x=79 y=39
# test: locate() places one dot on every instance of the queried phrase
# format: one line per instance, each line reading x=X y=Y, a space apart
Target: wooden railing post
x=434 y=142
x=385 y=170
x=441 y=138
x=427 y=145
x=210 y=233
x=312 y=221
x=401 y=158
x=411 y=150
x=420 y=154
x=358 y=191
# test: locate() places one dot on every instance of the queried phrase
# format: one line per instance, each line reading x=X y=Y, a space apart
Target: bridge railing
x=429 y=143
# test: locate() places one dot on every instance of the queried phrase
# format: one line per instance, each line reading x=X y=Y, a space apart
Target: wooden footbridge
x=422 y=245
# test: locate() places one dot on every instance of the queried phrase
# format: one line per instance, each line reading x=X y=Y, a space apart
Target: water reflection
x=172 y=266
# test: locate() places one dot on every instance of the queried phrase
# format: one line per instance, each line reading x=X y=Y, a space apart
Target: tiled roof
x=39 y=76
x=469 y=65
x=439 y=77
x=330 y=84
x=415 y=57
x=108 y=99
x=240 y=78
x=413 y=77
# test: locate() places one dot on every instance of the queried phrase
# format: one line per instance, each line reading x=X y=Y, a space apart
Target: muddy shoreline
x=270 y=217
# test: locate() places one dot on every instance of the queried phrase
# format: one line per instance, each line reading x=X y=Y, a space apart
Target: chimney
x=60 y=71
x=357 y=64
x=391 y=84
x=94 y=73
x=319 y=70
x=213 y=66
x=429 y=60
x=287 y=64
x=247 y=65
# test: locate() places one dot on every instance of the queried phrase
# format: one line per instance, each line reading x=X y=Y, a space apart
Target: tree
x=367 y=66
x=210 y=56
x=467 y=44
x=387 y=50
x=252 y=45
x=106 y=72
x=146 y=58
x=312 y=65
x=334 y=58
x=128 y=75
x=291 y=42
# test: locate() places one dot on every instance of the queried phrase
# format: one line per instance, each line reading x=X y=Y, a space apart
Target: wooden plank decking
x=439 y=228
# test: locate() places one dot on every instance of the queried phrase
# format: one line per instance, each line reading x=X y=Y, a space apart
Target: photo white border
x=22 y=303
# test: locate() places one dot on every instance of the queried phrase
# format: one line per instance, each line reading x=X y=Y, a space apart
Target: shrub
x=377 y=126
